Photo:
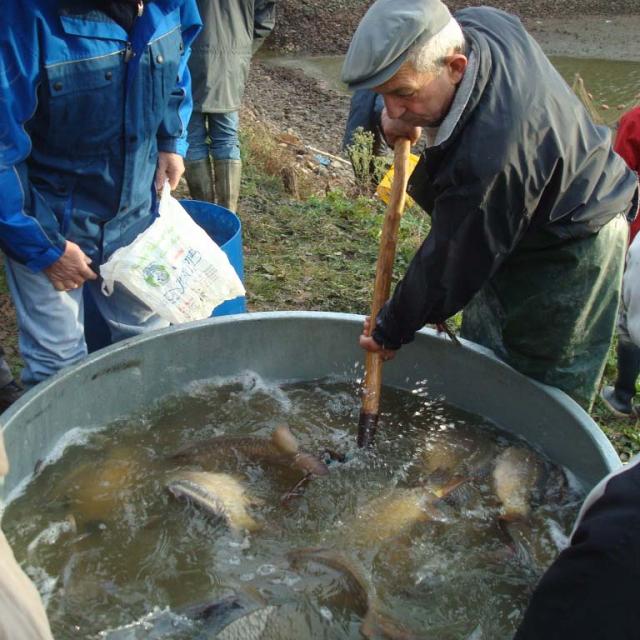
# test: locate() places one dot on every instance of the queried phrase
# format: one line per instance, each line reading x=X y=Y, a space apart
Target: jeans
x=214 y=134
x=51 y=323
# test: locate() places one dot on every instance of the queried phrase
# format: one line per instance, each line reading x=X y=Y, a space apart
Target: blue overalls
x=85 y=108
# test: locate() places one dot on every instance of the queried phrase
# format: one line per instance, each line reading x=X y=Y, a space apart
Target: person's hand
x=71 y=269
x=369 y=344
x=170 y=167
x=394 y=128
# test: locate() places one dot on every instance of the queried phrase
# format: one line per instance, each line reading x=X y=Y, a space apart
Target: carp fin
x=284 y=440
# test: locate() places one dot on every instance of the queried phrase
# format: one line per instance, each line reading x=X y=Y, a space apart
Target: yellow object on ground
x=384 y=188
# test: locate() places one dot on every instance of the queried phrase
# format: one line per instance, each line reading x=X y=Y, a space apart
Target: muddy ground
x=308 y=109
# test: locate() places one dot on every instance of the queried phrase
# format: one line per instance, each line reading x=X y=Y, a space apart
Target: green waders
x=551 y=308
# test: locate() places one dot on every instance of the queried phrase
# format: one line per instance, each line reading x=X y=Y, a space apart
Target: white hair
x=429 y=56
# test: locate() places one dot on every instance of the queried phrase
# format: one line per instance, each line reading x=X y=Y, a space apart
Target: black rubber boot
x=199 y=177
x=619 y=398
x=9 y=394
x=628 y=370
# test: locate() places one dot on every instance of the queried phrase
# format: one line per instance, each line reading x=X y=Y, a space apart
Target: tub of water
x=415 y=536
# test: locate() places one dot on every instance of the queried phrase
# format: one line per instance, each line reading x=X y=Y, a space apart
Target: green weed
x=368 y=167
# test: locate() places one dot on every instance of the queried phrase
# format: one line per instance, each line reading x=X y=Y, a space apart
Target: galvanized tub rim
x=595 y=438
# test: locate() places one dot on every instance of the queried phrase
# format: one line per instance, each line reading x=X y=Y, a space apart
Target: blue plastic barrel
x=224 y=227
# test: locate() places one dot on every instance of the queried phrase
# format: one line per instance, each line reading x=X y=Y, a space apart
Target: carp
x=397 y=511
x=516 y=474
x=356 y=587
x=466 y=451
x=218 y=494
x=281 y=449
x=360 y=597
x=96 y=491
x=259 y=624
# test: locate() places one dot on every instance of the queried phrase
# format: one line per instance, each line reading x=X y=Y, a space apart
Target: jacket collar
x=81 y=18
x=481 y=74
x=418 y=187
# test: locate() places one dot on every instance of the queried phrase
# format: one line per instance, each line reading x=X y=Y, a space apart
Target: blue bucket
x=224 y=228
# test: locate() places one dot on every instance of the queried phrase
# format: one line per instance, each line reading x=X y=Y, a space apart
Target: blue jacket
x=84 y=109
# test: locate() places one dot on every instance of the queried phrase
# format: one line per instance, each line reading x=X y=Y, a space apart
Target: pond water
x=412 y=534
x=613 y=83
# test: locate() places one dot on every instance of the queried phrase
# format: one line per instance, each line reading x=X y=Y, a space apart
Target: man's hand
x=71 y=269
x=394 y=128
x=170 y=167
x=369 y=344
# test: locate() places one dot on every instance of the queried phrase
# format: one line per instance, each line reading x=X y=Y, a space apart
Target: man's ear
x=456 y=65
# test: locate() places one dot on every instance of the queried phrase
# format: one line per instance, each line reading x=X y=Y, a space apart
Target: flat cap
x=384 y=36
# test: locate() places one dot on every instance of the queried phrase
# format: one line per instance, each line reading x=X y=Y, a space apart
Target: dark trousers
x=550 y=310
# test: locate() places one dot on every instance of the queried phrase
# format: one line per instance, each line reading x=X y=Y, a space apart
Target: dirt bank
x=290 y=101
x=326 y=26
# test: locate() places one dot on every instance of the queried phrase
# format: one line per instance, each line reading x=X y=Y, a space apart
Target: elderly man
x=527 y=199
x=94 y=105
x=22 y=616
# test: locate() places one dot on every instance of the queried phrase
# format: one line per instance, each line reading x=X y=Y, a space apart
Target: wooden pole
x=384 y=269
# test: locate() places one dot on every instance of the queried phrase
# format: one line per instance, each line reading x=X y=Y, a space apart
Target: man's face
x=422 y=99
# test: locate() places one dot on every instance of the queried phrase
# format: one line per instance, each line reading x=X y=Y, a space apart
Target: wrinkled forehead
x=4 y=462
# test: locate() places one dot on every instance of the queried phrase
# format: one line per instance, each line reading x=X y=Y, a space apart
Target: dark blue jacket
x=589 y=592
x=84 y=109
x=525 y=157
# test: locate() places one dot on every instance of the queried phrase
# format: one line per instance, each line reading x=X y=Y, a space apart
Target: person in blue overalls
x=94 y=104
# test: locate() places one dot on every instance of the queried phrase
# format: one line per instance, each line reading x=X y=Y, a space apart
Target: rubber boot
x=9 y=393
x=619 y=397
x=199 y=177
x=227 y=176
x=628 y=370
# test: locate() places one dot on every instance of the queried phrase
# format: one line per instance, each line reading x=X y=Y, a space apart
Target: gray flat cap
x=384 y=36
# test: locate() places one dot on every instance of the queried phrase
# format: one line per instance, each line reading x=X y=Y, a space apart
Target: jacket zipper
x=128 y=52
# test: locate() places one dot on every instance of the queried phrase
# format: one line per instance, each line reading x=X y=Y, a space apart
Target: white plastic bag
x=174 y=267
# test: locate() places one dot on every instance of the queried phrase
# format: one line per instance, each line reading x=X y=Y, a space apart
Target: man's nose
x=394 y=107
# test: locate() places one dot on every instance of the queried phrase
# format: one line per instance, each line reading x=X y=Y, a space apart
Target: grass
x=318 y=252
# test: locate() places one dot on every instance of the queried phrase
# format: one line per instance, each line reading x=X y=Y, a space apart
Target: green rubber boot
x=199 y=177
x=227 y=177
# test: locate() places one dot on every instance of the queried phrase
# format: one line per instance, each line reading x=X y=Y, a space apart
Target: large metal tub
x=297 y=346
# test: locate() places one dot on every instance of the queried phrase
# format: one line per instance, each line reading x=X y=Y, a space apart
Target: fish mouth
x=310 y=464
